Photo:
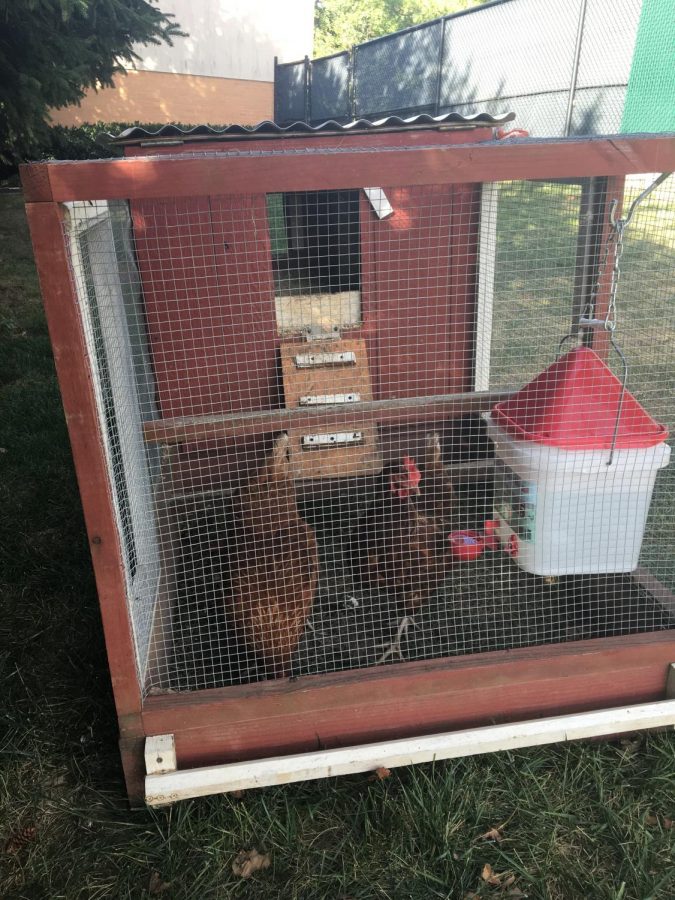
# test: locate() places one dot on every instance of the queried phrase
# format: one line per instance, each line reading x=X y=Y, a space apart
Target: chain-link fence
x=568 y=68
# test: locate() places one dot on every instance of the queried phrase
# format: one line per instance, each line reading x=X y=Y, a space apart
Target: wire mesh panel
x=305 y=478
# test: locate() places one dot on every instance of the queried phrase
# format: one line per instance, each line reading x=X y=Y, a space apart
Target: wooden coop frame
x=263 y=733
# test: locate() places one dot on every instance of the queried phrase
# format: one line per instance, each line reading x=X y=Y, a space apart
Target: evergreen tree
x=51 y=51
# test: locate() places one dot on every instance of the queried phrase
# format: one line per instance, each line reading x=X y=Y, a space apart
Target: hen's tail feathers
x=433 y=453
x=280 y=454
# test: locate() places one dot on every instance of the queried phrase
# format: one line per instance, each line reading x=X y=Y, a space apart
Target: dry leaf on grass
x=157 y=885
x=249 y=861
x=493 y=834
x=501 y=880
x=487 y=874
x=380 y=774
x=20 y=839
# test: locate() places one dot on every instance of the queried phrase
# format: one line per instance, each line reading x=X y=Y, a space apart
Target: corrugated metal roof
x=172 y=133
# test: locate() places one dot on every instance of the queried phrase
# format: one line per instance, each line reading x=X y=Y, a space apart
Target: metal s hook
x=613 y=221
x=618 y=224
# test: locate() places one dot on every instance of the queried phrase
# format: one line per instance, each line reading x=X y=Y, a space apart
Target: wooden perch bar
x=383 y=412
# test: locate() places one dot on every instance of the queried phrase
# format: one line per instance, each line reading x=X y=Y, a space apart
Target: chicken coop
x=370 y=424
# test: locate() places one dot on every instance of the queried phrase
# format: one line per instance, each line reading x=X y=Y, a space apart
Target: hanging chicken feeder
x=579 y=458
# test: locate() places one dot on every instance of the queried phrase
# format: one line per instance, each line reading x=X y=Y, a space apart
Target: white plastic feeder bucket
x=568 y=510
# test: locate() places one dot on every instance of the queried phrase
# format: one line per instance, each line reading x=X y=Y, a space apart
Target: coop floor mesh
x=485 y=605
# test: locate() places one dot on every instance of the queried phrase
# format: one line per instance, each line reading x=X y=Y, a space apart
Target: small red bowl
x=466 y=545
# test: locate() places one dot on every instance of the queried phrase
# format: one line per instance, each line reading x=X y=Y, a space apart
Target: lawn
x=588 y=820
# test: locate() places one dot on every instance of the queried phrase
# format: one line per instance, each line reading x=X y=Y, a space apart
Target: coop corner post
x=46 y=222
x=170 y=786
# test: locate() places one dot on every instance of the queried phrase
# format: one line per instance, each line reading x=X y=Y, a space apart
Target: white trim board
x=182 y=785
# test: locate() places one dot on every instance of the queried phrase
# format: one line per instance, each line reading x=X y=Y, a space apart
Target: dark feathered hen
x=408 y=553
x=275 y=564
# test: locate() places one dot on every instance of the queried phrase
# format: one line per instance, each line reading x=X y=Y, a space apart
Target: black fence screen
x=569 y=68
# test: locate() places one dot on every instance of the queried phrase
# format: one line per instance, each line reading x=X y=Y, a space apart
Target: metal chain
x=610 y=316
x=614 y=245
x=614 y=240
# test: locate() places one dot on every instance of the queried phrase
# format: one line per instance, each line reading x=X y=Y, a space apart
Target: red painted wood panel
x=247 y=324
x=174 y=247
x=205 y=266
x=414 y=294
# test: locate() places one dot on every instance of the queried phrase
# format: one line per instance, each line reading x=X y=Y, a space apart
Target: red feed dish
x=466 y=545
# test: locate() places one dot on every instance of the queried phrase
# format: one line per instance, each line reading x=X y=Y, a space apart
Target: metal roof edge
x=266 y=128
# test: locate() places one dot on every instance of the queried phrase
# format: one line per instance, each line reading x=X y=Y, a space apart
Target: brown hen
x=275 y=565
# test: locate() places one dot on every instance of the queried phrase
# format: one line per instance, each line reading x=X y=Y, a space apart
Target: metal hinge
x=329 y=399
x=312 y=360
x=335 y=439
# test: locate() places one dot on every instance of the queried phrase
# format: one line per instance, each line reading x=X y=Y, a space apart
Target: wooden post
x=84 y=428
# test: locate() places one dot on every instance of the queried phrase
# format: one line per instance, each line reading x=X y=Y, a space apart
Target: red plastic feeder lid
x=573 y=405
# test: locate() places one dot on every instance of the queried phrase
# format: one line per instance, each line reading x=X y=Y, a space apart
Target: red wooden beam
x=357 y=706
x=179 y=176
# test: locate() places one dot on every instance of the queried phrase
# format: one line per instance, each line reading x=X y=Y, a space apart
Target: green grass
x=579 y=821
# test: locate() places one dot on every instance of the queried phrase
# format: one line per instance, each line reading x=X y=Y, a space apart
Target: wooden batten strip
x=383 y=412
